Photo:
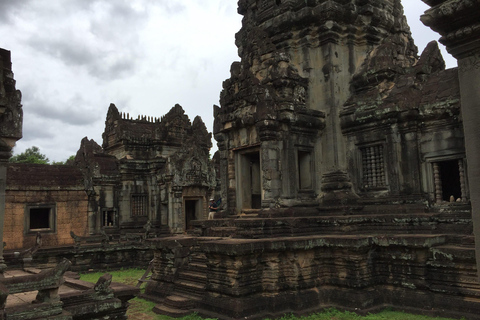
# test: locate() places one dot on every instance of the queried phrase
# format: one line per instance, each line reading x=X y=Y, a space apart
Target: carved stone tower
x=11 y=120
x=278 y=128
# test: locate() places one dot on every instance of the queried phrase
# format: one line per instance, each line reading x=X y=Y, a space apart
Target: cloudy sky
x=72 y=58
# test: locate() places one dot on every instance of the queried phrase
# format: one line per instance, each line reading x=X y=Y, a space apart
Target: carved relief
x=470 y=63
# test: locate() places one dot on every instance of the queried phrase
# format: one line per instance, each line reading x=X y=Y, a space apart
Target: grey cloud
x=99 y=62
x=36 y=130
x=9 y=8
x=104 y=42
x=74 y=112
x=70 y=51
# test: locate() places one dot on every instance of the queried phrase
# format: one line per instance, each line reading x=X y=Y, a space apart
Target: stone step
x=181 y=302
x=199 y=265
x=464 y=241
x=185 y=287
x=191 y=285
x=222 y=231
x=193 y=276
x=171 y=312
x=418 y=223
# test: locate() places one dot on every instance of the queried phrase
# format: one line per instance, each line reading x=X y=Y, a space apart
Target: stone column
x=3 y=180
x=11 y=121
x=458 y=22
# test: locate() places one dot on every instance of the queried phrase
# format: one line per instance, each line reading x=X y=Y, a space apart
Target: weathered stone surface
x=343 y=174
x=57 y=189
x=11 y=113
x=457 y=23
x=150 y=170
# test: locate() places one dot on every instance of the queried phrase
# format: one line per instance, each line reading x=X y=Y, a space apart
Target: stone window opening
x=109 y=217
x=304 y=169
x=373 y=167
x=449 y=180
x=40 y=218
x=139 y=205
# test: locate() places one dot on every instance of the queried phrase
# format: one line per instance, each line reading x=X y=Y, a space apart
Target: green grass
x=143 y=307
x=333 y=314
x=126 y=276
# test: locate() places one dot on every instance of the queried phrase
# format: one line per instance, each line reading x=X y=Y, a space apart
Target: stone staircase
x=371 y=222
x=188 y=289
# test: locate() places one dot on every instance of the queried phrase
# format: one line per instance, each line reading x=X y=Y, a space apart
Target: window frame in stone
x=373 y=170
x=139 y=203
x=114 y=211
x=433 y=171
x=48 y=209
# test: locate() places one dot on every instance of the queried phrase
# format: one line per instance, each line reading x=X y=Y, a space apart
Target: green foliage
x=70 y=160
x=142 y=307
x=31 y=155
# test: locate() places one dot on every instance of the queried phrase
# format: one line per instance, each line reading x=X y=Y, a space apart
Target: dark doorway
x=190 y=212
x=256 y=190
x=248 y=175
x=450 y=176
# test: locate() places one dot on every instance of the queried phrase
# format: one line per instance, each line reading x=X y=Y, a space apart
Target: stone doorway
x=192 y=211
x=249 y=190
x=449 y=180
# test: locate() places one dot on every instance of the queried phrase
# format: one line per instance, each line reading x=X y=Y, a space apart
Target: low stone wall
x=95 y=256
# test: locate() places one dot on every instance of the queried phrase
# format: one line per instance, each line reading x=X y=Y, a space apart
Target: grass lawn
x=141 y=309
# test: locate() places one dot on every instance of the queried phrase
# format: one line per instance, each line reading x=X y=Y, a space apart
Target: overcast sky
x=72 y=58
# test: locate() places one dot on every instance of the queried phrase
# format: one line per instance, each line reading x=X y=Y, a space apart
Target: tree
x=31 y=155
x=69 y=161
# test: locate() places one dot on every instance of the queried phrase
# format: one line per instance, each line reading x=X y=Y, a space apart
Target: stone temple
x=347 y=164
x=343 y=173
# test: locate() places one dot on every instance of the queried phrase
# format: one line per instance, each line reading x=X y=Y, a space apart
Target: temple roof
x=28 y=176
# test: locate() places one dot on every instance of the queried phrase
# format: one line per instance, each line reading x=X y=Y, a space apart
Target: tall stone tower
x=278 y=127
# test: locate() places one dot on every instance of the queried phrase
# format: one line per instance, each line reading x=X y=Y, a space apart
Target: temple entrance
x=192 y=210
x=249 y=190
x=449 y=180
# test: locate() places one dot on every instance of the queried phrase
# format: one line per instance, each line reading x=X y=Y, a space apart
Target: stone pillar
x=3 y=180
x=458 y=22
x=11 y=120
x=271 y=173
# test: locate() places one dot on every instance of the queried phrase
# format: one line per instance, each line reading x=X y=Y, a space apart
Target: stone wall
x=55 y=193
x=258 y=278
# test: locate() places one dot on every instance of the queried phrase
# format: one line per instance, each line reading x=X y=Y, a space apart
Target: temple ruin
x=42 y=200
x=150 y=170
x=347 y=166
x=343 y=172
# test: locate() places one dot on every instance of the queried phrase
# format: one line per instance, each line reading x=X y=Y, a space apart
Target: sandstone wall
x=71 y=208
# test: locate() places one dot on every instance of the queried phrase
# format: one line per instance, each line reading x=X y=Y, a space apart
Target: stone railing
x=47 y=302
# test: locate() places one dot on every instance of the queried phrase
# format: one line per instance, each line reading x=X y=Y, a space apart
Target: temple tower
x=278 y=127
x=11 y=121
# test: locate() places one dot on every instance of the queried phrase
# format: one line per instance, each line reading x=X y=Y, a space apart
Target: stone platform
x=254 y=267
